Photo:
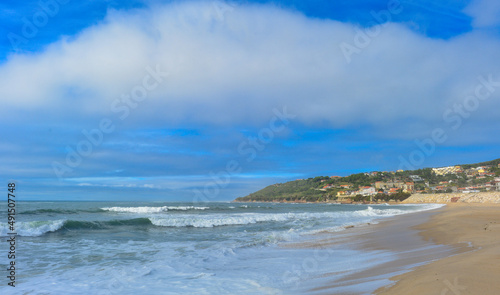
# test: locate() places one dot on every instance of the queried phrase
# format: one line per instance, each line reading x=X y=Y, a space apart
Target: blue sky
x=212 y=100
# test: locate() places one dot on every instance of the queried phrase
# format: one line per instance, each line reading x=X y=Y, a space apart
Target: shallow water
x=183 y=248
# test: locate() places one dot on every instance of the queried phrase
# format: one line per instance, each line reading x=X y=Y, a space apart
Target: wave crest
x=32 y=228
x=152 y=209
x=38 y=228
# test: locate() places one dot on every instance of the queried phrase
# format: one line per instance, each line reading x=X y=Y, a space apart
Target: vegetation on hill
x=326 y=189
x=488 y=163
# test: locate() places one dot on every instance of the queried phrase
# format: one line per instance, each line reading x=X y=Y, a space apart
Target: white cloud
x=486 y=13
x=237 y=68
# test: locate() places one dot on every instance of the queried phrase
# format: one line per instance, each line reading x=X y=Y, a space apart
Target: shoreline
x=491 y=197
x=391 y=202
x=461 y=225
x=394 y=238
x=455 y=248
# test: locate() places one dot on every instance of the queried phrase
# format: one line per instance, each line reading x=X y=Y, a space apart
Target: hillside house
x=367 y=191
x=416 y=178
x=407 y=187
x=447 y=170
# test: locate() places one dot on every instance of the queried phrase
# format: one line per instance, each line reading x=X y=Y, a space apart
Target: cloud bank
x=185 y=83
x=232 y=64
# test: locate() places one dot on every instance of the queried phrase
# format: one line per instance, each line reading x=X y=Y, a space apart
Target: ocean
x=184 y=248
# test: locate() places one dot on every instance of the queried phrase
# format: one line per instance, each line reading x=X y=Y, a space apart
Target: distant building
x=447 y=170
x=471 y=173
x=409 y=187
x=367 y=191
x=489 y=186
x=416 y=178
x=386 y=185
x=341 y=193
x=392 y=190
x=470 y=191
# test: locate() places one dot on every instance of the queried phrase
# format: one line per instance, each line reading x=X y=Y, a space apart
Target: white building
x=367 y=191
x=447 y=170
x=470 y=191
x=416 y=178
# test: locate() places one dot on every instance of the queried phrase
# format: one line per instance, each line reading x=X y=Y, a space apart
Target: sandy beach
x=464 y=226
x=452 y=250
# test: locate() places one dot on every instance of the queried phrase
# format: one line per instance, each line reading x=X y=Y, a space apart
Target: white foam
x=32 y=228
x=146 y=210
x=370 y=211
x=341 y=217
x=219 y=220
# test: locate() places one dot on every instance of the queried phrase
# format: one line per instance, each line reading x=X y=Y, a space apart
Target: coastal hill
x=386 y=186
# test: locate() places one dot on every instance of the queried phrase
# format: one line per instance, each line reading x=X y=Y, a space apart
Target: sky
x=211 y=100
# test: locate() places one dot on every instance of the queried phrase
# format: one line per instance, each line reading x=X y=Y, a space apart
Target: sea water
x=182 y=248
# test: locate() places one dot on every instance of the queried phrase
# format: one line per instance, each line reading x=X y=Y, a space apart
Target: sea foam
x=370 y=211
x=32 y=228
x=152 y=209
x=219 y=220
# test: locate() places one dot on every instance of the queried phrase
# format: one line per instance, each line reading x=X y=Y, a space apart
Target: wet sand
x=475 y=226
x=396 y=248
x=452 y=250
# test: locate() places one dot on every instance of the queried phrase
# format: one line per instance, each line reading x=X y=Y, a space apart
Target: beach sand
x=464 y=226
x=394 y=236
x=453 y=250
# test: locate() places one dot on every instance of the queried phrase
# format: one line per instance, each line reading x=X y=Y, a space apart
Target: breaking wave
x=152 y=209
x=32 y=228
x=59 y=211
x=38 y=228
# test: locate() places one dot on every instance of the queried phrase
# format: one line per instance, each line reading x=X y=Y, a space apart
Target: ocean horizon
x=185 y=248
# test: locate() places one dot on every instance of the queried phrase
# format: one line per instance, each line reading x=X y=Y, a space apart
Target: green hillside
x=326 y=188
